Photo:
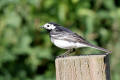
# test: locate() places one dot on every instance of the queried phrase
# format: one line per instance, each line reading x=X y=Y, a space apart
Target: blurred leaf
x=109 y=4
x=48 y=3
x=104 y=35
x=9 y=37
x=12 y=19
x=85 y=12
x=103 y=14
x=7 y=2
x=90 y=24
x=75 y=1
x=25 y=42
x=34 y=2
x=62 y=11
x=44 y=53
x=6 y=56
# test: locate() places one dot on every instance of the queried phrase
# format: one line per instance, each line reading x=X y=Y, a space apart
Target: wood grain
x=85 y=67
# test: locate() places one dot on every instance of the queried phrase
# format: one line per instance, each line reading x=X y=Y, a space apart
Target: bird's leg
x=69 y=51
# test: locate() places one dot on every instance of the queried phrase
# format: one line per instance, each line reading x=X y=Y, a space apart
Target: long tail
x=99 y=48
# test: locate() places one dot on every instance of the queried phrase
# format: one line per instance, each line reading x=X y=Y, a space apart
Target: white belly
x=67 y=45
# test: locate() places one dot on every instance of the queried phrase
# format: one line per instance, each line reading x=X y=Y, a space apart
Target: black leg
x=67 y=53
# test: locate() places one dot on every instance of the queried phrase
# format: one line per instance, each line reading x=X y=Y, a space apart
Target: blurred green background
x=26 y=52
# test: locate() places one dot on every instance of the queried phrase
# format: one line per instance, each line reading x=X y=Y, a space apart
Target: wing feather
x=69 y=36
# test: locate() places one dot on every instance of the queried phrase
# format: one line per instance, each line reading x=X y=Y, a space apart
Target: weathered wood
x=85 y=67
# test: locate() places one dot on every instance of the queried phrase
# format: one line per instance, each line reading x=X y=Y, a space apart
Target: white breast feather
x=67 y=45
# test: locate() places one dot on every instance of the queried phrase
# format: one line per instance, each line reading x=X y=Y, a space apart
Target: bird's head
x=49 y=26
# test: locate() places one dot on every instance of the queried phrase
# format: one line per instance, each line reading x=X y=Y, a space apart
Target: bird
x=66 y=39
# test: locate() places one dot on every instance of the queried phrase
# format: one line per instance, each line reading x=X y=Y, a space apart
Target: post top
x=83 y=56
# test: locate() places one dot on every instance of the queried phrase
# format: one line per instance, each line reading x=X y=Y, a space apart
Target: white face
x=49 y=26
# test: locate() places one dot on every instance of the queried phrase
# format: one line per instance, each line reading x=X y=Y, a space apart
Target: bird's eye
x=47 y=25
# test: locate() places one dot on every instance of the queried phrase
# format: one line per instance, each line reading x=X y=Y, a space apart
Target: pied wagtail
x=66 y=39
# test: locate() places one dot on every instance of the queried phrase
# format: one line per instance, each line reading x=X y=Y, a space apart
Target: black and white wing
x=65 y=34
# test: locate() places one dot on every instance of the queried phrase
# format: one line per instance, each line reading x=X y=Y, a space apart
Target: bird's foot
x=67 y=53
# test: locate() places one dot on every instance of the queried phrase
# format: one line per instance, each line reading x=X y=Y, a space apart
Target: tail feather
x=99 y=48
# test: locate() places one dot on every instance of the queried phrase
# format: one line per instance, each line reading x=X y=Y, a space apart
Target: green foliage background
x=26 y=52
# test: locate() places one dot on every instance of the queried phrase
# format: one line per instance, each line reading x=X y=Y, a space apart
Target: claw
x=67 y=53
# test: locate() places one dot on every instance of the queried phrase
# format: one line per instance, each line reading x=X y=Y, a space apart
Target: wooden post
x=84 y=67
